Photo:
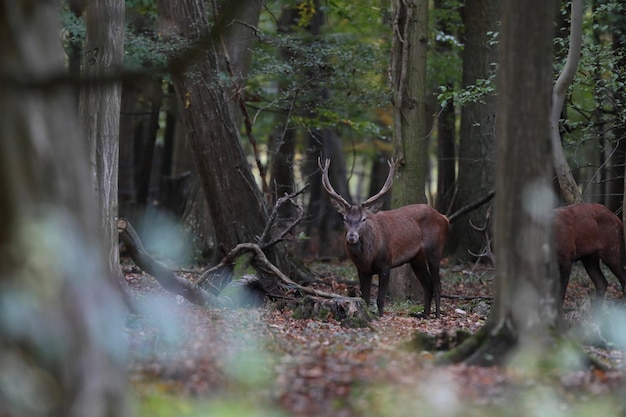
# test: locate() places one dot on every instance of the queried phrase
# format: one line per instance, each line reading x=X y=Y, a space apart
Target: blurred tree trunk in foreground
x=61 y=321
x=99 y=112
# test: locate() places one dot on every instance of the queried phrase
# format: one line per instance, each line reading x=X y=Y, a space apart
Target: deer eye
x=363 y=219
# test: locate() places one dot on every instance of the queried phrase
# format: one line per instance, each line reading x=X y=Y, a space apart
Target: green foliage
x=143 y=49
x=145 y=8
x=595 y=104
x=73 y=27
x=444 y=58
x=336 y=80
x=474 y=93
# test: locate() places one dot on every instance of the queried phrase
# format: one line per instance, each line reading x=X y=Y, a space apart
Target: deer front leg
x=365 y=283
x=383 y=284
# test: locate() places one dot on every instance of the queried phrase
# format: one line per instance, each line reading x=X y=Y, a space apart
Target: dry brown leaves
x=310 y=367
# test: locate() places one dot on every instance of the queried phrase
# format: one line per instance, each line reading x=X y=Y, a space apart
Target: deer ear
x=373 y=208
x=338 y=206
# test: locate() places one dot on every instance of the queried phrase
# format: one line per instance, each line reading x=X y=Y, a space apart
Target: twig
x=274 y=214
x=468 y=297
x=471 y=206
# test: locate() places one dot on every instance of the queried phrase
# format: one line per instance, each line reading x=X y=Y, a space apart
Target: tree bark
x=446 y=158
x=99 y=112
x=62 y=327
x=569 y=188
x=410 y=136
x=477 y=143
x=446 y=118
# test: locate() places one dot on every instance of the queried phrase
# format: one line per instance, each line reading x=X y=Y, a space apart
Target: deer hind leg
x=614 y=262
x=565 y=269
x=592 y=266
x=423 y=276
x=433 y=267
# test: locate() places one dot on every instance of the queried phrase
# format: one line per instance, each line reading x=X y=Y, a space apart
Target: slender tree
x=569 y=189
x=410 y=135
x=447 y=31
x=477 y=144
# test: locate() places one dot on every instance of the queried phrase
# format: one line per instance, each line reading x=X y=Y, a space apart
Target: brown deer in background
x=586 y=232
x=378 y=241
x=589 y=232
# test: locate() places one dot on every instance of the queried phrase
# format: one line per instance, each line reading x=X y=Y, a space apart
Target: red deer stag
x=590 y=233
x=378 y=241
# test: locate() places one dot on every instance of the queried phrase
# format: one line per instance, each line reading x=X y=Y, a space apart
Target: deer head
x=355 y=216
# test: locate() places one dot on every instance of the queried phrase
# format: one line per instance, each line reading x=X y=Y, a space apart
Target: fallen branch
x=269 y=282
x=467 y=297
x=164 y=275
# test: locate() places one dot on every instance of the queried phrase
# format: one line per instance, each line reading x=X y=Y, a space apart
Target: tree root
x=350 y=312
x=500 y=345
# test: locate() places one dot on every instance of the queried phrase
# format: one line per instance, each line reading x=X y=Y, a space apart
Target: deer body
x=378 y=241
x=589 y=232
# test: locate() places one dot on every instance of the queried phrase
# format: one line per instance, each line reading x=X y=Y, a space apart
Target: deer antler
x=386 y=186
x=328 y=187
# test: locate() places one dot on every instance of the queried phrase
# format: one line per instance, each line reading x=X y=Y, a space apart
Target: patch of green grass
x=345 y=270
x=159 y=405
x=407 y=307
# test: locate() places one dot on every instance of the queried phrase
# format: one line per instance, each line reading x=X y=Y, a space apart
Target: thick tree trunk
x=477 y=144
x=99 y=111
x=410 y=45
x=236 y=205
x=62 y=329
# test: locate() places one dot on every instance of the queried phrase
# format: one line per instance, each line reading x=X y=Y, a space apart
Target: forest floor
x=188 y=361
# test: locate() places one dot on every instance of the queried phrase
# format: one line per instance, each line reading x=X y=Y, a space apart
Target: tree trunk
x=283 y=141
x=408 y=69
x=616 y=200
x=236 y=205
x=446 y=158
x=380 y=169
x=477 y=144
x=326 y=144
x=64 y=337
x=524 y=319
x=99 y=112
x=569 y=188
x=446 y=120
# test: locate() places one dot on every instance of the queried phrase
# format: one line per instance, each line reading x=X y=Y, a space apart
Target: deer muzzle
x=352 y=237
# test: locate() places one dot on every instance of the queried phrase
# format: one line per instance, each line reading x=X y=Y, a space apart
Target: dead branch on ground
x=314 y=302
